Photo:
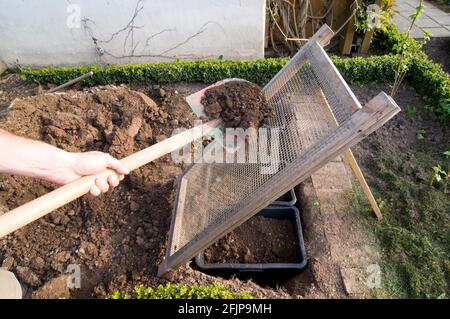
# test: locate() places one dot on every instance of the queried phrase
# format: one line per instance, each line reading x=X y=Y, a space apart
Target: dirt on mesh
x=259 y=240
x=238 y=103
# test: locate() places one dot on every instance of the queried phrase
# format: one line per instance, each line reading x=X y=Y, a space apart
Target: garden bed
x=398 y=161
x=118 y=238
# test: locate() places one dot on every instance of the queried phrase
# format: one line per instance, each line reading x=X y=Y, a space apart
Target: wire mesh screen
x=210 y=195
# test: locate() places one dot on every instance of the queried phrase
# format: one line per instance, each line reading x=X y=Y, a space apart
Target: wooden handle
x=45 y=204
x=71 y=82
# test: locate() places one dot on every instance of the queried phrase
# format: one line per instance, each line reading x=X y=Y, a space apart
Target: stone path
x=432 y=19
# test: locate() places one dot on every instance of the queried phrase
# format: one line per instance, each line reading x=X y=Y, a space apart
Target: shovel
x=39 y=207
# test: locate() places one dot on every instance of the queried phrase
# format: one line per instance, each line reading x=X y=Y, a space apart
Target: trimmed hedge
x=427 y=77
x=360 y=70
x=177 y=291
x=208 y=71
x=433 y=84
x=354 y=70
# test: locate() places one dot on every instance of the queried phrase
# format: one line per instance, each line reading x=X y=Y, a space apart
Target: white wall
x=62 y=32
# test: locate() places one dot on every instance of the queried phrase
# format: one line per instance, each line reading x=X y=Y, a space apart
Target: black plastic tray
x=272 y=212
x=288 y=199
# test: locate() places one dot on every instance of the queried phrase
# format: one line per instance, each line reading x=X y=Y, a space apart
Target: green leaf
x=410 y=110
x=420 y=134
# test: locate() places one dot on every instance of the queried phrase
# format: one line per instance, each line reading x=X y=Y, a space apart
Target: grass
x=415 y=233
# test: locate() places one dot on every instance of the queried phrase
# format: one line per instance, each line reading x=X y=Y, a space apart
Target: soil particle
x=27 y=276
x=245 y=244
x=8 y=263
x=238 y=103
x=55 y=288
x=38 y=263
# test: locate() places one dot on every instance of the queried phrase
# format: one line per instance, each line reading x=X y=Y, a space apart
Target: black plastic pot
x=290 y=213
x=288 y=199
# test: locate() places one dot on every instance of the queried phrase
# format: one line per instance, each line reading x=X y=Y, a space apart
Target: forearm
x=22 y=156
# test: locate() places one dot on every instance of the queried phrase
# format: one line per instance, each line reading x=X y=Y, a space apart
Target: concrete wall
x=77 y=32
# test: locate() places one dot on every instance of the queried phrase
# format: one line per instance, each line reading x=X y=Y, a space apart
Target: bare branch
x=129 y=38
x=196 y=34
x=156 y=34
x=137 y=9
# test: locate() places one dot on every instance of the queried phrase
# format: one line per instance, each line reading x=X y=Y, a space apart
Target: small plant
x=446 y=154
x=387 y=11
x=420 y=134
x=362 y=18
x=440 y=176
x=381 y=204
x=410 y=110
x=425 y=76
x=406 y=48
x=177 y=291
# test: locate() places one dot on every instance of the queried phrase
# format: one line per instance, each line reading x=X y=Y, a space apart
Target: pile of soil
x=11 y=87
x=259 y=240
x=238 y=103
x=119 y=236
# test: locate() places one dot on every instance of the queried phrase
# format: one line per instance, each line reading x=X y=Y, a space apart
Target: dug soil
x=117 y=236
x=238 y=103
x=259 y=240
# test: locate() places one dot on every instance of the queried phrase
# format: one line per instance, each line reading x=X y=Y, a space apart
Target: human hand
x=89 y=163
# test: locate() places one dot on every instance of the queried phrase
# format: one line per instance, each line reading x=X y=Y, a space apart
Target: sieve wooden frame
x=361 y=123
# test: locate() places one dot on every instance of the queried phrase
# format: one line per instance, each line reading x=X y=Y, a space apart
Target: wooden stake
x=368 y=35
x=346 y=42
x=71 y=82
x=350 y=158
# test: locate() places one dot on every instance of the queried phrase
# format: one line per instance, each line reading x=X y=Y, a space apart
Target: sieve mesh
x=217 y=197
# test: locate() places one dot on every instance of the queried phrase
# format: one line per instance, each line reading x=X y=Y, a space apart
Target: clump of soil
x=244 y=244
x=238 y=103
